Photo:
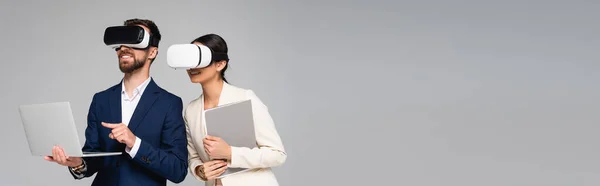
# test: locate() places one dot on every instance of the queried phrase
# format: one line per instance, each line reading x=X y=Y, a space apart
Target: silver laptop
x=50 y=124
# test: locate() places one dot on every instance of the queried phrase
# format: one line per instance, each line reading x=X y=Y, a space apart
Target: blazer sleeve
x=170 y=159
x=93 y=164
x=193 y=157
x=269 y=151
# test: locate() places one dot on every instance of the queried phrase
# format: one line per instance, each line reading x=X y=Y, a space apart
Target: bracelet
x=78 y=168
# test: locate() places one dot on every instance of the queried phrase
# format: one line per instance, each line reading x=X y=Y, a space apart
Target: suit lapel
x=225 y=98
x=115 y=104
x=200 y=115
x=146 y=102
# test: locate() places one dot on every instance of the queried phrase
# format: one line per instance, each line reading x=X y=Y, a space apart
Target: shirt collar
x=137 y=90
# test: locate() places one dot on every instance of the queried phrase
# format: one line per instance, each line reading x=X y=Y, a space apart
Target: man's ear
x=153 y=53
x=221 y=65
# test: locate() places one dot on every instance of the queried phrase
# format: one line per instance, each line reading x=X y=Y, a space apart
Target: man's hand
x=58 y=156
x=217 y=148
x=121 y=133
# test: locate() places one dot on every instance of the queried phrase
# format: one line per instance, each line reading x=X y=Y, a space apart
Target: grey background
x=428 y=93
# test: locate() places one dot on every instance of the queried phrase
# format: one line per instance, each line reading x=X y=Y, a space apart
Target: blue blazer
x=157 y=121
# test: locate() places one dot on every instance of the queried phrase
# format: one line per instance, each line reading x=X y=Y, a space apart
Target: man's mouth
x=125 y=56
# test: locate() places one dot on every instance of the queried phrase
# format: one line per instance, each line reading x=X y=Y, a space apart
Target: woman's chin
x=195 y=80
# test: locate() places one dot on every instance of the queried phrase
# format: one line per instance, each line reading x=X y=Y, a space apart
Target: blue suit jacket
x=157 y=121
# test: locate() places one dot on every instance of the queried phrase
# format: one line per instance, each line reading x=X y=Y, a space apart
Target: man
x=135 y=117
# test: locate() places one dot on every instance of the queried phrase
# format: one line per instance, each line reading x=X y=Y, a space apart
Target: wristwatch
x=80 y=168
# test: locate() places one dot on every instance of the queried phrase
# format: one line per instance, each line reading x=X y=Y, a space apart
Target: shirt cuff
x=135 y=148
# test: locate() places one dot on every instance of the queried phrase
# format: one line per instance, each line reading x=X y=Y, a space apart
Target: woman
x=202 y=148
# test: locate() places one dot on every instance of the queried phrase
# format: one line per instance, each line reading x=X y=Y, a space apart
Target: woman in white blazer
x=201 y=148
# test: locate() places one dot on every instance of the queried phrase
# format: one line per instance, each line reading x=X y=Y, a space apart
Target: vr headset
x=130 y=36
x=188 y=56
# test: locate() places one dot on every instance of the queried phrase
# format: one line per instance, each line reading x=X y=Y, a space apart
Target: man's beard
x=137 y=64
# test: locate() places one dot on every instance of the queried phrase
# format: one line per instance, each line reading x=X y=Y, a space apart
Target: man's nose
x=122 y=47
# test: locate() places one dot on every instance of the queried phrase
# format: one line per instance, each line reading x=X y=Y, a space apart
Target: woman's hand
x=211 y=169
x=217 y=148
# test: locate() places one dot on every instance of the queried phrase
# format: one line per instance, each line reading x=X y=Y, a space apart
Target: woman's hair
x=218 y=45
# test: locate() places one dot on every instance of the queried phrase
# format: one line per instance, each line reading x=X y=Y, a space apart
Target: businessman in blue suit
x=138 y=118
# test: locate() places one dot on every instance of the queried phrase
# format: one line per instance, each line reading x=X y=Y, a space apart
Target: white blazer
x=268 y=153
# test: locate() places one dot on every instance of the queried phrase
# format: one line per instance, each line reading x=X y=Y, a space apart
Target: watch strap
x=80 y=168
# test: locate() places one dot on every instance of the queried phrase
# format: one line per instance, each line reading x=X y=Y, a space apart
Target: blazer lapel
x=200 y=115
x=146 y=102
x=114 y=105
x=225 y=97
x=114 y=102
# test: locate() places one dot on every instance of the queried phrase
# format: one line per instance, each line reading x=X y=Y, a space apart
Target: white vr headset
x=188 y=56
x=130 y=36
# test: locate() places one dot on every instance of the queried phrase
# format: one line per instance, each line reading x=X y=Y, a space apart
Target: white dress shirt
x=128 y=105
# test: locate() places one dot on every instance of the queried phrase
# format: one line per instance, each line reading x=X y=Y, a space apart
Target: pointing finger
x=110 y=125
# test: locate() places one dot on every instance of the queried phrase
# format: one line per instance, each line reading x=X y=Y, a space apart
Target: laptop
x=50 y=124
x=234 y=123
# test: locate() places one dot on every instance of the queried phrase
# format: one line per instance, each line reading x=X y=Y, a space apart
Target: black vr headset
x=130 y=36
x=188 y=56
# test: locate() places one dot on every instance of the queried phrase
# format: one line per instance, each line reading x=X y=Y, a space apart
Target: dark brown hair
x=150 y=25
x=147 y=23
x=218 y=45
